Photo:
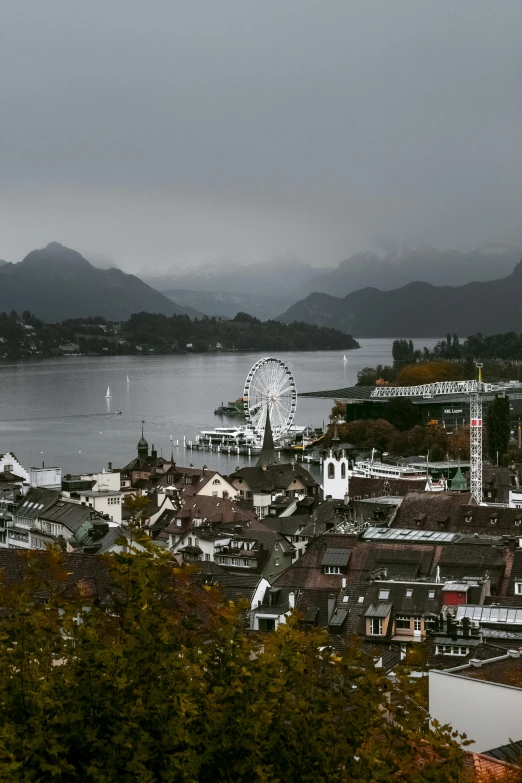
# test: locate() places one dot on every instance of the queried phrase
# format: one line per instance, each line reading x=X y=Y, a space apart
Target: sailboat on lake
x=108 y=395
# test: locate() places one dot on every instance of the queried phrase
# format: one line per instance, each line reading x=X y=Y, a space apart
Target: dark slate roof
x=510 y=753
x=109 y=539
x=507 y=671
x=235 y=586
x=453 y=512
x=71 y=515
x=408 y=598
x=271 y=477
x=47 y=504
x=287 y=526
x=335 y=556
x=36 y=502
x=91 y=575
x=430 y=510
x=268 y=454
x=378 y=610
x=360 y=487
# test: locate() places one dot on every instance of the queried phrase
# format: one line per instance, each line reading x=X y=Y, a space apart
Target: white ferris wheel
x=270 y=384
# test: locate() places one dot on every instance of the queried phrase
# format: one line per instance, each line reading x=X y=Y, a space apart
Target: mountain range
x=267 y=288
x=418 y=309
x=56 y=283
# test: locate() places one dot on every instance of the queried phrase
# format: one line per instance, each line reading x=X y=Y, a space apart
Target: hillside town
x=422 y=577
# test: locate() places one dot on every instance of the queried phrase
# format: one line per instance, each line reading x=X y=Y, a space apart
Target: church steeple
x=268 y=454
x=143 y=446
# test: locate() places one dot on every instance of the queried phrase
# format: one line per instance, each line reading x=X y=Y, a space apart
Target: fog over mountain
x=225 y=287
x=56 y=283
x=181 y=132
x=418 y=309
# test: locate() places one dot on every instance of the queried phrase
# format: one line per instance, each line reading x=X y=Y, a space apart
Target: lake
x=55 y=411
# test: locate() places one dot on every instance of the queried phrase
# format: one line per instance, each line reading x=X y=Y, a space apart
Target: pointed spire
x=268 y=454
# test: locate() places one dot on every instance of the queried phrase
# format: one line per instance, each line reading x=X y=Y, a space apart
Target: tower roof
x=458 y=482
x=268 y=454
x=142 y=443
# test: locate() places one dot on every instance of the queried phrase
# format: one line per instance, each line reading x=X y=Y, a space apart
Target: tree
x=138 y=507
x=338 y=410
x=458 y=443
x=498 y=427
x=153 y=678
x=429 y=372
x=401 y=413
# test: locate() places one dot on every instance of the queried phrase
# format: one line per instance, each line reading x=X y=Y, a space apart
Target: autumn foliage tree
x=155 y=679
x=429 y=372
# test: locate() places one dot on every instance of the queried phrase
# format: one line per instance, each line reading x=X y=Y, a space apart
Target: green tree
x=401 y=413
x=153 y=678
x=498 y=427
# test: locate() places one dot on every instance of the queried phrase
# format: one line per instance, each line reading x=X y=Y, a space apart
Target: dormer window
x=493 y=520
x=469 y=518
x=518 y=522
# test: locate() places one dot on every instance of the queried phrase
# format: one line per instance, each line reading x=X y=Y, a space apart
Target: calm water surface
x=55 y=411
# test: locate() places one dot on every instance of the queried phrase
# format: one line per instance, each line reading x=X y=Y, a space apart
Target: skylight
x=384 y=595
x=409 y=593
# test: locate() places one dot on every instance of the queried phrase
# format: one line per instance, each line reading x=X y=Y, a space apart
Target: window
x=384 y=595
x=402 y=621
x=266 y=624
x=376 y=626
x=448 y=649
x=196 y=542
x=189 y=540
x=331 y=470
x=276 y=561
x=245 y=563
x=234 y=561
x=248 y=494
x=8 y=468
x=343 y=470
x=214 y=494
x=409 y=593
x=170 y=479
x=332 y=570
x=216 y=481
x=417 y=622
x=518 y=588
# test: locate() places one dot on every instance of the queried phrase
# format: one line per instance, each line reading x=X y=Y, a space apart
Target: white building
x=335 y=475
x=99 y=491
x=482 y=699
x=10 y=464
x=46 y=478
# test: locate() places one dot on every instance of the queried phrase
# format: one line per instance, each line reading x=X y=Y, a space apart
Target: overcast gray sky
x=164 y=133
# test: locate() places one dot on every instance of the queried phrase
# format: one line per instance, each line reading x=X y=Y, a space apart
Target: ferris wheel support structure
x=475 y=390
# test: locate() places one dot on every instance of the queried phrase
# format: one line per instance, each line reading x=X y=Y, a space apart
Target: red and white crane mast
x=475 y=390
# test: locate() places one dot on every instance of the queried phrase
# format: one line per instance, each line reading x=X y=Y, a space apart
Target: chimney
x=153 y=453
x=291 y=600
x=109 y=467
x=331 y=606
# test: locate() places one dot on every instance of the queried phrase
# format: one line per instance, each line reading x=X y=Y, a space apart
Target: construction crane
x=475 y=390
